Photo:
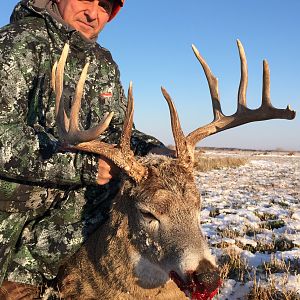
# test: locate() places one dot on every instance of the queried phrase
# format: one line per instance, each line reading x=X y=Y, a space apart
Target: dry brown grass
x=203 y=163
x=263 y=291
x=234 y=267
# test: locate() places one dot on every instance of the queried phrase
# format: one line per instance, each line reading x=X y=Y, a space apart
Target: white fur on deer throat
x=149 y=275
x=191 y=261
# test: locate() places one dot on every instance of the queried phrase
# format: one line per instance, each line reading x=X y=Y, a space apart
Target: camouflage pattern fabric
x=49 y=200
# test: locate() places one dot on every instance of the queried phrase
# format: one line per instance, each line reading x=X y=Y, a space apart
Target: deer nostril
x=209 y=280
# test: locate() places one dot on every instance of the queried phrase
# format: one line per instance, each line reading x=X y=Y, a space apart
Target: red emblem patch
x=106 y=94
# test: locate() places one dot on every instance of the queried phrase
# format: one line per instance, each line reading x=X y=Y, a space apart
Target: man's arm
x=21 y=154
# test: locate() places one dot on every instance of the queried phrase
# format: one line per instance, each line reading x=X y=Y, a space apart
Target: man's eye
x=106 y=5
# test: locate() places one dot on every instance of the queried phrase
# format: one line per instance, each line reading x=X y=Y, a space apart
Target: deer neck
x=116 y=260
x=107 y=251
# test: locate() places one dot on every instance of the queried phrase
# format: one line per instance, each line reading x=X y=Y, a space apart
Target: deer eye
x=148 y=215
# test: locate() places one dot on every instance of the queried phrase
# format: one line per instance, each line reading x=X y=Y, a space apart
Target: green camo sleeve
x=20 y=144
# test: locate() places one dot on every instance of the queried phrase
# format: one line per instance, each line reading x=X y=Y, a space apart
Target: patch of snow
x=233 y=290
x=286 y=282
x=254 y=205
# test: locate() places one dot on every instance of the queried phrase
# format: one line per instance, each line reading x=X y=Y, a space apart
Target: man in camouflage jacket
x=49 y=200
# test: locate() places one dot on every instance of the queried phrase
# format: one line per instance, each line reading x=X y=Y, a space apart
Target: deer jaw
x=164 y=224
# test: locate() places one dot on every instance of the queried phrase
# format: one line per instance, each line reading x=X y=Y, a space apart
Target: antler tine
x=60 y=68
x=212 y=83
x=58 y=72
x=74 y=127
x=69 y=128
x=128 y=122
x=242 y=103
x=75 y=135
x=266 y=98
x=54 y=68
x=179 y=138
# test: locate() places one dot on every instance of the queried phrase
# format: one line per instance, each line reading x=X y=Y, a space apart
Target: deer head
x=159 y=200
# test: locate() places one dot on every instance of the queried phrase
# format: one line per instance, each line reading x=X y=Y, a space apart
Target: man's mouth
x=86 y=24
x=198 y=286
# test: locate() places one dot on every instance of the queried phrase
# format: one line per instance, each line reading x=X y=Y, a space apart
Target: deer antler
x=185 y=145
x=86 y=141
x=69 y=128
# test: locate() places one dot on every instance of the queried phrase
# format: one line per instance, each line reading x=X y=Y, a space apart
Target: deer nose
x=207 y=275
x=210 y=281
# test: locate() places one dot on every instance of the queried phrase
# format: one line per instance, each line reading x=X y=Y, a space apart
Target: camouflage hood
x=26 y=8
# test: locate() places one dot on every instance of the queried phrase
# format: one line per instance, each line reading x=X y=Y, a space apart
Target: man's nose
x=92 y=11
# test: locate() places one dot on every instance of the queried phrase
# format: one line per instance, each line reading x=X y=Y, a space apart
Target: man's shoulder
x=102 y=53
x=24 y=31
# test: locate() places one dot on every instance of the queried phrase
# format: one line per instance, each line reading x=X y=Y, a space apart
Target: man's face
x=86 y=16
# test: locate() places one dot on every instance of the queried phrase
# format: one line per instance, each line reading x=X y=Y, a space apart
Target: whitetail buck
x=153 y=233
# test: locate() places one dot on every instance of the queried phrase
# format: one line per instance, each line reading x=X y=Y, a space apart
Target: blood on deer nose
x=199 y=286
x=208 y=281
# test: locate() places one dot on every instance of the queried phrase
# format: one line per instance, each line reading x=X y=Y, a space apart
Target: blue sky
x=151 y=42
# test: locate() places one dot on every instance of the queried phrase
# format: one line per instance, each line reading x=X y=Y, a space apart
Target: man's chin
x=88 y=32
x=88 y=36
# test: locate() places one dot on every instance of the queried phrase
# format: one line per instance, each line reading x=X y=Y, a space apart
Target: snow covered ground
x=252 y=213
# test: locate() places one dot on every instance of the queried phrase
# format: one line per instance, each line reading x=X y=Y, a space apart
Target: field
x=251 y=216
